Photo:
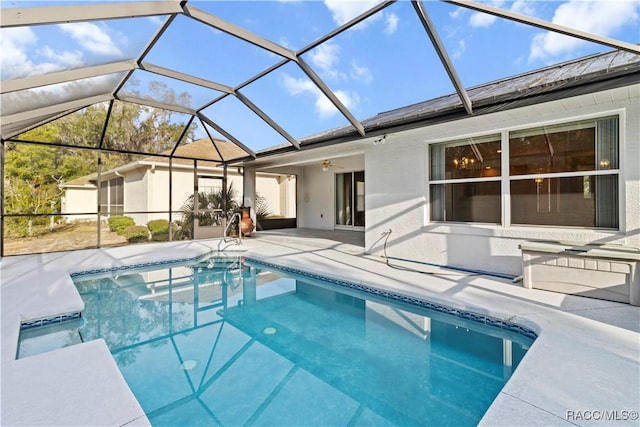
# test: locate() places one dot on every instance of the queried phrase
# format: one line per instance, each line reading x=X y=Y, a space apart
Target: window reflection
x=577 y=201
x=580 y=201
x=469 y=158
x=563 y=151
x=466 y=202
x=560 y=175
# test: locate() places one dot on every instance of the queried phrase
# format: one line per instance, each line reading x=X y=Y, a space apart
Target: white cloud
x=92 y=37
x=459 y=50
x=14 y=42
x=67 y=59
x=284 y=42
x=156 y=20
x=344 y=11
x=524 y=7
x=457 y=12
x=326 y=109
x=360 y=73
x=596 y=17
x=325 y=57
x=392 y=23
x=482 y=20
x=298 y=86
x=323 y=106
x=16 y=61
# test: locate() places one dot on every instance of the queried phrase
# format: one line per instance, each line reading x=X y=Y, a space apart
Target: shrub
x=159 y=229
x=136 y=233
x=120 y=223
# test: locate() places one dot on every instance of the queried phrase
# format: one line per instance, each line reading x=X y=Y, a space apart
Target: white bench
x=609 y=272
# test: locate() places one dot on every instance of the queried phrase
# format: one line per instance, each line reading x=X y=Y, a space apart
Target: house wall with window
x=141 y=191
x=317 y=204
x=467 y=193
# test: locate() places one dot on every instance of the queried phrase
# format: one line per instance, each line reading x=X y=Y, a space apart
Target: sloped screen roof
x=270 y=75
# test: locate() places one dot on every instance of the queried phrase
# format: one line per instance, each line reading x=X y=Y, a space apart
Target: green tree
x=33 y=172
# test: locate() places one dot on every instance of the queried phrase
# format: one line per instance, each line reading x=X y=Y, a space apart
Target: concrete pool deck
x=584 y=368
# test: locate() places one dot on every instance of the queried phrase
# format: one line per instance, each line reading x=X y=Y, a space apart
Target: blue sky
x=384 y=63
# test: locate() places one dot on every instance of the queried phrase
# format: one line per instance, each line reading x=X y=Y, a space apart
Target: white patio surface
x=585 y=364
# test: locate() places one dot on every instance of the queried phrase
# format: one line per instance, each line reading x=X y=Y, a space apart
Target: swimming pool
x=222 y=341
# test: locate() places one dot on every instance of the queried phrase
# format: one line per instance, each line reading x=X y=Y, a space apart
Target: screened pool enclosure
x=161 y=110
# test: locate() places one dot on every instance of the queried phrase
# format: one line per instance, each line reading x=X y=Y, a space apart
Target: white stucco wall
x=317 y=204
x=136 y=186
x=79 y=199
x=279 y=190
x=156 y=187
x=397 y=189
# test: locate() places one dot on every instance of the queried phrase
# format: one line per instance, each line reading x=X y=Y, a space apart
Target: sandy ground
x=78 y=236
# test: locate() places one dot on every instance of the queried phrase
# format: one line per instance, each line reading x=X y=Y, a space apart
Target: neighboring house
x=140 y=189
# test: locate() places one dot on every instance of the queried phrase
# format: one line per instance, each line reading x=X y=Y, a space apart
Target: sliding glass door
x=350 y=200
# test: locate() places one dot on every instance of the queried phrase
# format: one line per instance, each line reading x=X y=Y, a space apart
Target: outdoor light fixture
x=380 y=140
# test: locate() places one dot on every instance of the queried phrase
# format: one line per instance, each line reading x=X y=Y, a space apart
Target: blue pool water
x=225 y=342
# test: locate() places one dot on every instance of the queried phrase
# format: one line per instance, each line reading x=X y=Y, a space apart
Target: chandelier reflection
x=464 y=163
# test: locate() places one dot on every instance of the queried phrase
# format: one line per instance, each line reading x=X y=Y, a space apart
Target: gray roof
x=585 y=75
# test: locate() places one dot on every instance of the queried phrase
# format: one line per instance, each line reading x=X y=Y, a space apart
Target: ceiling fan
x=326 y=164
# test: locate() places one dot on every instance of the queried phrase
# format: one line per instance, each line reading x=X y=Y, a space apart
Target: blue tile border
x=418 y=302
x=36 y=323
x=463 y=314
x=44 y=321
x=80 y=274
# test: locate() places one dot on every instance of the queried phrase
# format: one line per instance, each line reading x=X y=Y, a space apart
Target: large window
x=561 y=175
x=465 y=180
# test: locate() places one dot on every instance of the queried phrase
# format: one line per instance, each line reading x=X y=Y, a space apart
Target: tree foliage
x=34 y=172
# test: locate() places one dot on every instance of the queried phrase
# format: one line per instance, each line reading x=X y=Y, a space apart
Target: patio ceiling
x=223 y=105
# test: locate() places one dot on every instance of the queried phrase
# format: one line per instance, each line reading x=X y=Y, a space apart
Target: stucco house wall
x=397 y=188
x=80 y=199
x=181 y=187
x=279 y=186
x=317 y=207
x=136 y=194
x=146 y=189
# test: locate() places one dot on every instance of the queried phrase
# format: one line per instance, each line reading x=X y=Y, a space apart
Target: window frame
x=481 y=136
x=506 y=178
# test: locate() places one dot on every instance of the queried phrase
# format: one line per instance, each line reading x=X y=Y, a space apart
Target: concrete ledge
x=54 y=389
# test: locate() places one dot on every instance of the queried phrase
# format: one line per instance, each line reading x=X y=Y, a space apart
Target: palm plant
x=263 y=209
x=210 y=211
